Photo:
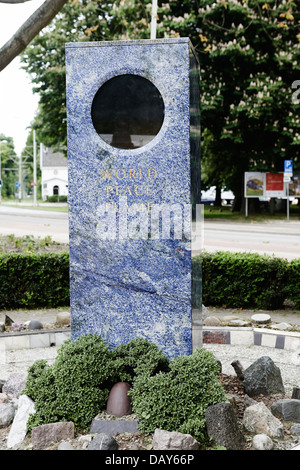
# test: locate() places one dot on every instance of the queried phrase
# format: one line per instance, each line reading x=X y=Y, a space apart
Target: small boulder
x=46 y=434
x=63 y=318
x=262 y=442
x=212 y=321
x=65 y=446
x=103 y=442
x=222 y=426
x=35 y=325
x=118 y=403
x=287 y=409
x=15 y=384
x=259 y=420
x=263 y=377
x=172 y=440
x=18 y=429
x=295 y=429
x=7 y=413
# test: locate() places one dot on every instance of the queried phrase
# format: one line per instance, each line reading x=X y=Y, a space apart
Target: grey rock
x=65 y=446
x=8 y=321
x=17 y=326
x=222 y=426
x=63 y=318
x=46 y=434
x=211 y=321
x=15 y=384
x=287 y=409
x=239 y=323
x=262 y=442
x=282 y=326
x=103 y=442
x=259 y=420
x=239 y=370
x=295 y=429
x=248 y=401
x=18 y=429
x=35 y=325
x=263 y=377
x=7 y=413
x=172 y=440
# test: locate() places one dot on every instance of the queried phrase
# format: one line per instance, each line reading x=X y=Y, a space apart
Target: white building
x=54 y=169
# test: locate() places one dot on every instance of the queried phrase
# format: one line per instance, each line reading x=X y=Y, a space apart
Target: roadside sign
x=288 y=168
x=274 y=185
x=17 y=185
x=286 y=179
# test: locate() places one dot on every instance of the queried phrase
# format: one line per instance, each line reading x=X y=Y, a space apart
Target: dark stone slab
x=113 y=426
x=280 y=342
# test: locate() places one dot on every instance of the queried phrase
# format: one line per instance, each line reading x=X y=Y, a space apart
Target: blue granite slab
x=130 y=283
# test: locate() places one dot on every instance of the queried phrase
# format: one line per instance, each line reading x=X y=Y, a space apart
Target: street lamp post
x=153 y=20
x=1 y=142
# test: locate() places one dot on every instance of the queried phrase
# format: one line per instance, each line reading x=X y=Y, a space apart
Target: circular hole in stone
x=128 y=111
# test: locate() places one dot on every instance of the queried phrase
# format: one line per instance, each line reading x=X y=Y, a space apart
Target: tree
x=35 y=23
x=249 y=53
x=44 y=58
x=9 y=169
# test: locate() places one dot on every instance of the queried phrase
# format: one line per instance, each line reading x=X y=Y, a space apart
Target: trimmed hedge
x=248 y=280
x=34 y=280
x=237 y=280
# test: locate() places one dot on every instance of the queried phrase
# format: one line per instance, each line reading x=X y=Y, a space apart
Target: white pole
x=34 y=170
x=153 y=19
x=288 y=202
x=20 y=178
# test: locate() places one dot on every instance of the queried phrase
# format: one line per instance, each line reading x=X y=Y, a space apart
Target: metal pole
x=288 y=201
x=34 y=170
x=153 y=19
x=20 y=178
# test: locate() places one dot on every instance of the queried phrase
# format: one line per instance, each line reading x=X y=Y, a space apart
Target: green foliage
x=245 y=280
x=249 y=56
x=84 y=373
x=76 y=387
x=241 y=280
x=293 y=281
x=177 y=400
x=137 y=357
x=34 y=280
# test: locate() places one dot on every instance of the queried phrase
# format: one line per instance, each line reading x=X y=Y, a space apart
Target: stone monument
x=134 y=173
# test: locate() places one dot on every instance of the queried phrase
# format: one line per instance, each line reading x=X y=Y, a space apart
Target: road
x=39 y=223
x=281 y=238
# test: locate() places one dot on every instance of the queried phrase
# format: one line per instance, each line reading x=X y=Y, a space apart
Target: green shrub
x=245 y=280
x=293 y=282
x=34 y=280
x=76 y=387
x=177 y=400
x=139 y=356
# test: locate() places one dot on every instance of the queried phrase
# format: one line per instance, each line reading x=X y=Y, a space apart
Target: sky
x=18 y=104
